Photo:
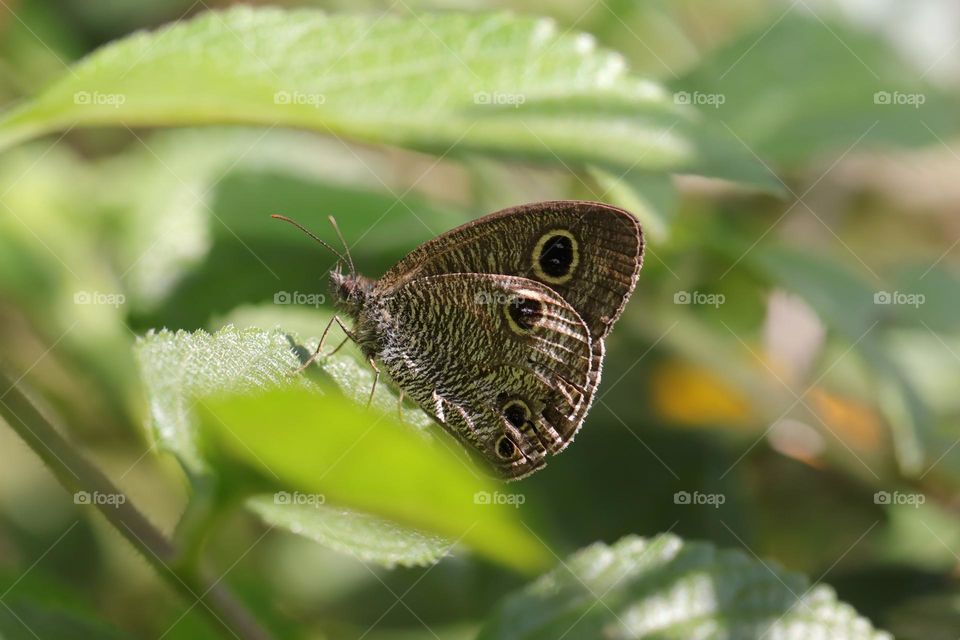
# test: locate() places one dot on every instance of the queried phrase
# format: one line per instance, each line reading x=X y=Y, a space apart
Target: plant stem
x=77 y=475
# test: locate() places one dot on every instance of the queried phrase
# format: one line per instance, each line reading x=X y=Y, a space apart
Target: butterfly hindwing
x=589 y=253
x=503 y=362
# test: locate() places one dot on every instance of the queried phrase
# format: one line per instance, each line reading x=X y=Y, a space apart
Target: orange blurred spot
x=854 y=422
x=689 y=394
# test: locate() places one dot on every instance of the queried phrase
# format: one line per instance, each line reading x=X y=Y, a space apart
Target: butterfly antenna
x=346 y=247
x=309 y=233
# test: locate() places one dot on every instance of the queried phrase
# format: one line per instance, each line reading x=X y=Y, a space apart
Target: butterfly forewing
x=590 y=253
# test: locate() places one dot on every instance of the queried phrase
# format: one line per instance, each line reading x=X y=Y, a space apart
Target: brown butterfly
x=496 y=328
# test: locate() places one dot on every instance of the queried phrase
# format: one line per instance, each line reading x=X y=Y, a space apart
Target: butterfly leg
x=323 y=339
x=316 y=353
x=342 y=342
x=376 y=379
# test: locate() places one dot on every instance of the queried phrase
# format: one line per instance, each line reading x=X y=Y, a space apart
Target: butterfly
x=496 y=328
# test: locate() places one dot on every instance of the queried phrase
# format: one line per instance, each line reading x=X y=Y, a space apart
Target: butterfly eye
x=505 y=448
x=523 y=314
x=516 y=412
x=555 y=256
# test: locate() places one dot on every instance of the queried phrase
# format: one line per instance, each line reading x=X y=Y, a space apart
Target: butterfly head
x=350 y=290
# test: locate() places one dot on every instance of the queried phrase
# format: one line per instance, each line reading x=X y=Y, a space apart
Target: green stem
x=77 y=475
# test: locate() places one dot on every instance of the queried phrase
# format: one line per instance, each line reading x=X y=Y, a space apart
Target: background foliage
x=782 y=386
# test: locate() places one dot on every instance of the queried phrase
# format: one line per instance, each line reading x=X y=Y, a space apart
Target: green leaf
x=333 y=450
x=665 y=588
x=179 y=367
x=354 y=533
x=494 y=83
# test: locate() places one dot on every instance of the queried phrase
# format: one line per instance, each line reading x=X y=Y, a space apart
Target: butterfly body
x=496 y=328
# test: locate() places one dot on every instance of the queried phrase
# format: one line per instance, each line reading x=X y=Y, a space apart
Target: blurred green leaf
x=330 y=446
x=650 y=196
x=665 y=588
x=492 y=83
x=53 y=265
x=843 y=299
x=24 y=620
x=354 y=533
x=798 y=86
x=34 y=606
x=193 y=205
x=909 y=417
x=926 y=295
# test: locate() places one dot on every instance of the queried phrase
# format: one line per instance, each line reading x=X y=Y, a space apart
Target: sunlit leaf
x=355 y=533
x=664 y=588
x=331 y=447
x=495 y=83
x=179 y=367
